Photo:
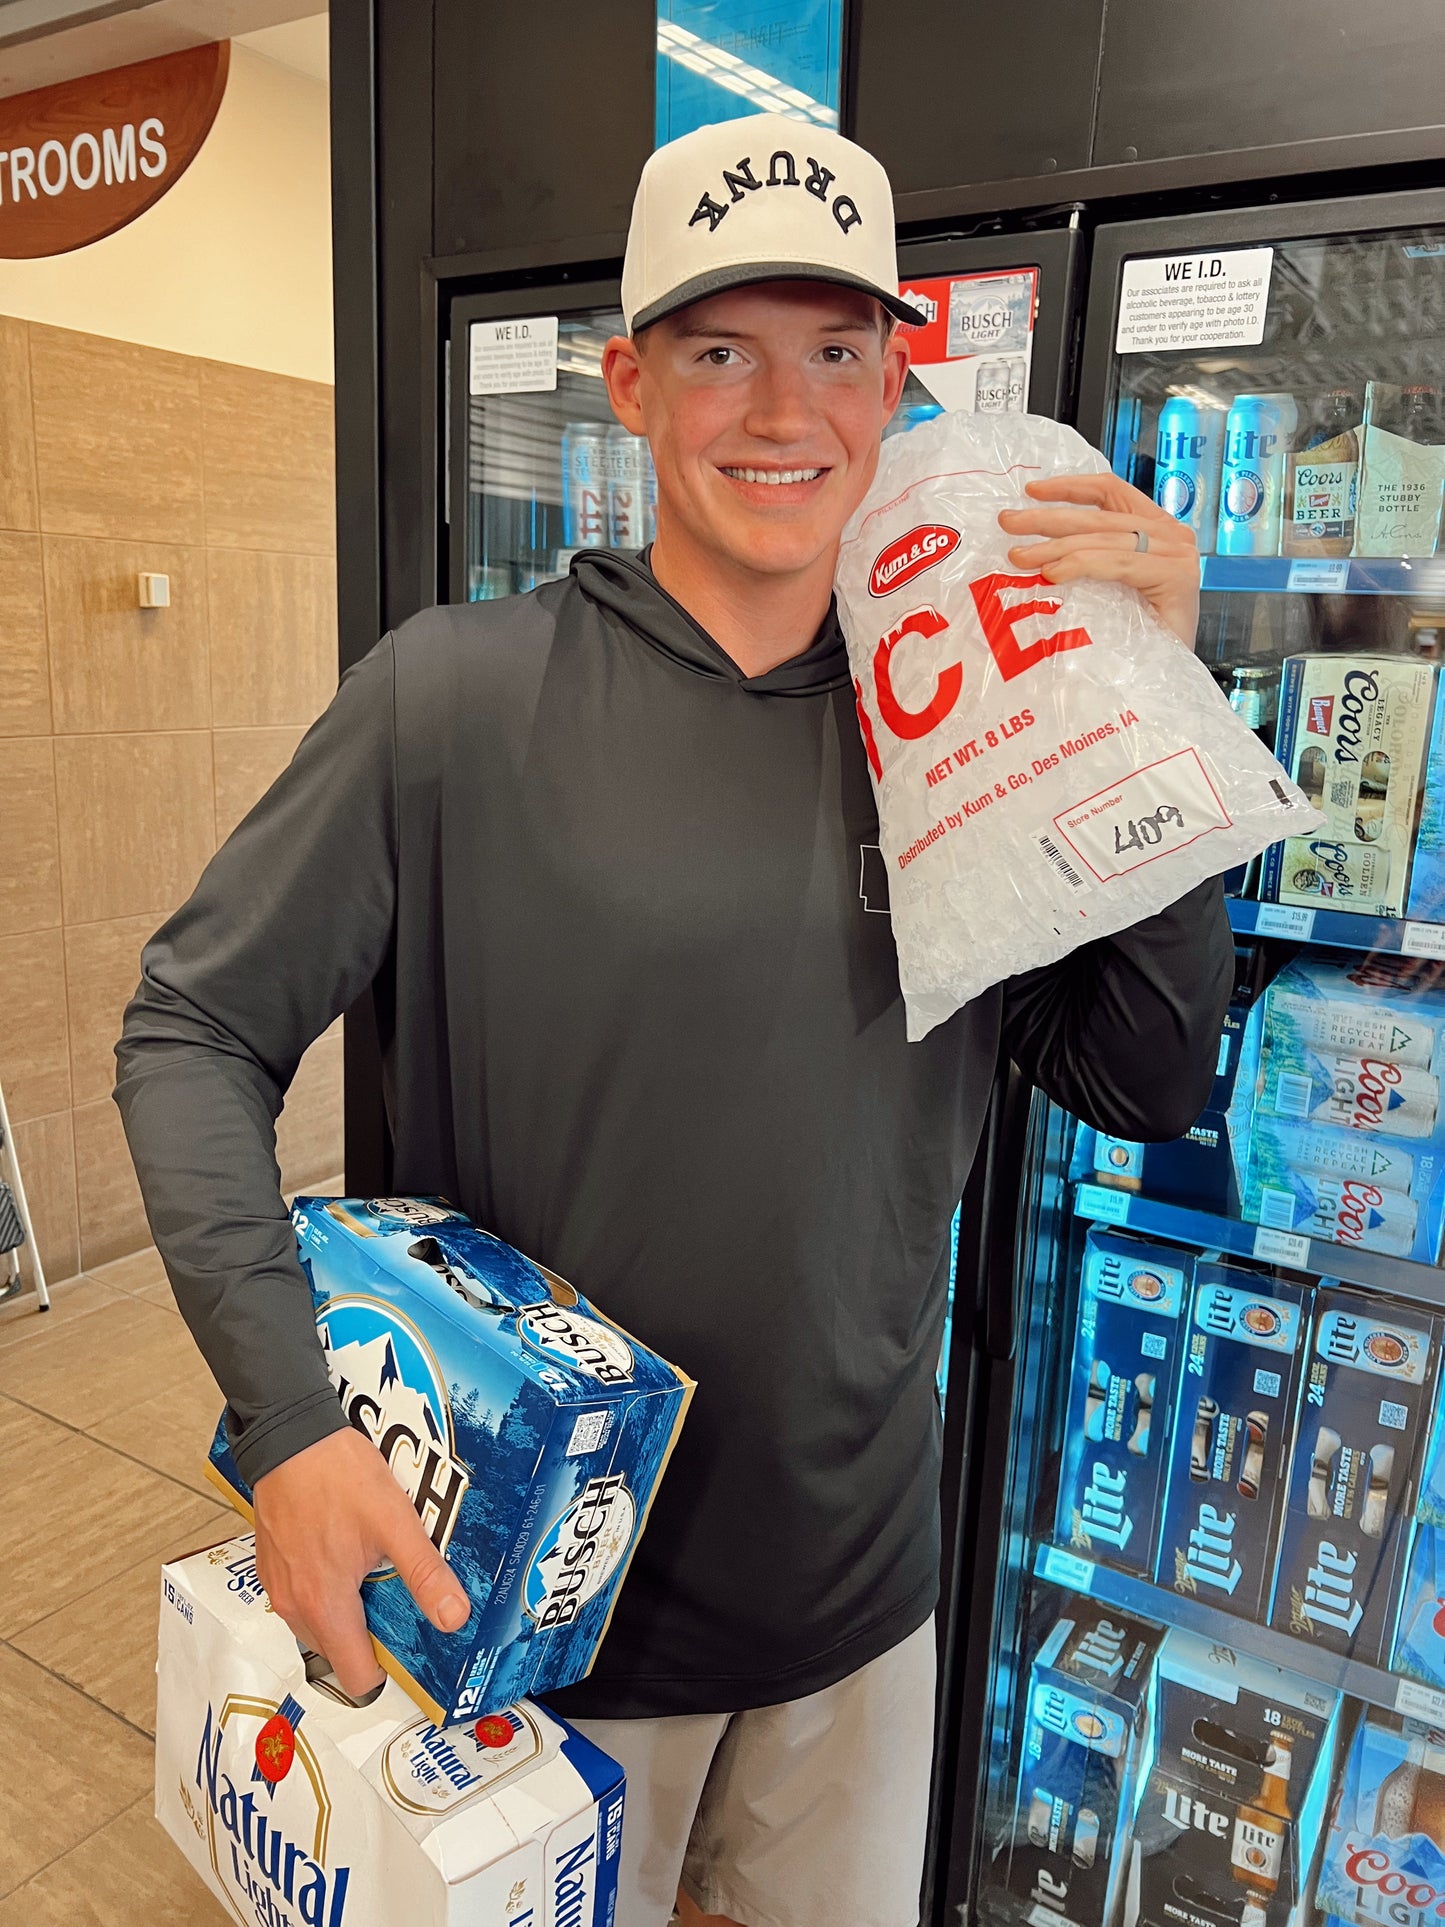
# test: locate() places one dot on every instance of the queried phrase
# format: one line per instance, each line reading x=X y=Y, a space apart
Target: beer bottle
x=1260 y=1830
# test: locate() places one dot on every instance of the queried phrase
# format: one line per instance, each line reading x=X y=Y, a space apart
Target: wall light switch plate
x=155 y=590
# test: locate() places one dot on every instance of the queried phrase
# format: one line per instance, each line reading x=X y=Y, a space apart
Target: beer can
x=1189 y=455
x=584 y=486
x=991 y=387
x=627 y=462
x=1257 y=438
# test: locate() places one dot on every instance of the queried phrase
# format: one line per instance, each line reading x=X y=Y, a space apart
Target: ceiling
x=42 y=41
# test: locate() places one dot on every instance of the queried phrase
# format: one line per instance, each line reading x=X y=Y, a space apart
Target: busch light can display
x=585 y=512
x=528 y=1432
x=1188 y=458
x=990 y=314
x=1257 y=438
x=299 y=1807
x=627 y=489
x=1000 y=386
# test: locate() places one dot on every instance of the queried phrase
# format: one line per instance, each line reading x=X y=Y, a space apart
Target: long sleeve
x=1125 y=1031
x=289 y=923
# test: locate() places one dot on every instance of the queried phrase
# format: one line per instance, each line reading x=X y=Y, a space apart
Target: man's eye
x=837 y=353
x=719 y=357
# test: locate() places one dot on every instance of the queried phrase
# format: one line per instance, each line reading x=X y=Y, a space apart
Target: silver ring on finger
x=1141 y=541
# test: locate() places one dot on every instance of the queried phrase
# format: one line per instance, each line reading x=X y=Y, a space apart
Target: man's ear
x=622 y=372
x=896 y=358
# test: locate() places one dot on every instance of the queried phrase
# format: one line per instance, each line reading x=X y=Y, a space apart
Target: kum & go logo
x=910 y=555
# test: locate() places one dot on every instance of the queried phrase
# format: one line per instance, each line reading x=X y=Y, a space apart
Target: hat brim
x=745 y=274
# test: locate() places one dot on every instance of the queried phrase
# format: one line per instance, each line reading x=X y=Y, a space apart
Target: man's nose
x=779 y=409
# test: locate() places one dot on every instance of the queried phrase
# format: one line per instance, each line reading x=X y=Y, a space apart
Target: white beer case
x=298 y=1808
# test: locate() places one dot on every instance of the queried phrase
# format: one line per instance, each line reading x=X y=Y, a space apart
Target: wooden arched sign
x=80 y=159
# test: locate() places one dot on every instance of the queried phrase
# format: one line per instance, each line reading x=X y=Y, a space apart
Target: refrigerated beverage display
x=626 y=488
x=1358 y=1448
x=1230 y=1448
x=1188 y=457
x=1345 y=1186
x=1086 y=1738
x=585 y=517
x=1402 y=478
x=1323 y=480
x=1252 y=698
x=1384 y=1858
x=1352 y=733
x=1127 y=1356
x=1420 y=1643
x=1356 y=1093
x=1257 y=437
x=1378 y=1006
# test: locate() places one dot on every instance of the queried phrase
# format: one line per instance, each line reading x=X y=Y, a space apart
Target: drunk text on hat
x=740 y=181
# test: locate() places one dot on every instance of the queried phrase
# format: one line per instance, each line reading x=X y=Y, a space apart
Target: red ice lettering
x=910 y=724
x=1000 y=621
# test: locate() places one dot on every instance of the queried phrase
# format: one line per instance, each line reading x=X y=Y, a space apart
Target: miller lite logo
x=579 y=1552
x=392 y=1391
x=906 y=558
x=1320 y=713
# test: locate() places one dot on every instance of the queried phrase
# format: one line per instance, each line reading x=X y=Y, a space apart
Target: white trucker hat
x=764 y=198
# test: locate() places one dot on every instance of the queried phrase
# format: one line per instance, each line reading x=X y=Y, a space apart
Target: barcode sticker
x=1394 y=1416
x=1061 y=863
x=1279 y=920
x=1281 y=1247
x=1276 y=1209
x=1267 y=1384
x=1066 y=1569
x=1317 y=575
x=1221 y=1063
x=1097 y=1201
x=587 y=1433
x=1154 y=1345
x=1293 y=1094
x=1423 y=940
x=1422 y=1702
x=1149 y=814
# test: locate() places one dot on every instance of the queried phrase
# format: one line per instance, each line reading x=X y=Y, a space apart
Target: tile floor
x=105 y=1414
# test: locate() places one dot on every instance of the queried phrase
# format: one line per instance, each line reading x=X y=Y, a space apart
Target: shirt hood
x=625 y=585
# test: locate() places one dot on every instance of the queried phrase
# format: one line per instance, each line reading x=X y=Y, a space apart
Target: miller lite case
x=528 y=1431
x=300 y=1808
x=1086 y=1741
x=1243 y=1353
x=1384 y=1860
x=1364 y=1416
x=1126 y=1364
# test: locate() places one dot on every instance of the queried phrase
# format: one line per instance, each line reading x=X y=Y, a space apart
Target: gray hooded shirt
x=640 y=1017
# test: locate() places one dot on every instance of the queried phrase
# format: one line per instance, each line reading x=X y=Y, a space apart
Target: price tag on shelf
x=1423 y=1702
x=1282 y=920
x=1104 y=1206
x=1281 y=1247
x=1067 y=1569
x=1423 y=940
x=1319 y=576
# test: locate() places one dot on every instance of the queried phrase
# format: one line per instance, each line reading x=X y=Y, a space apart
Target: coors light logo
x=909 y=555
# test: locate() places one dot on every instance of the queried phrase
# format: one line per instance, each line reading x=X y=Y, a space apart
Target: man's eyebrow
x=700 y=331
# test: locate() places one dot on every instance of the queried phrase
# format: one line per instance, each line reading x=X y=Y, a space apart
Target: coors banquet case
x=299 y=1808
x=528 y=1431
x=1384 y=1862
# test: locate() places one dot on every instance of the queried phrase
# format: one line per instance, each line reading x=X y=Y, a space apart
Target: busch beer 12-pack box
x=1353 y=1482
x=1126 y=1362
x=1229 y=1453
x=300 y=1808
x=1384 y=1861
x=529 y=1432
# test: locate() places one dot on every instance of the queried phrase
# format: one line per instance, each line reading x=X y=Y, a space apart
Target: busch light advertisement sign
x=527 y=1431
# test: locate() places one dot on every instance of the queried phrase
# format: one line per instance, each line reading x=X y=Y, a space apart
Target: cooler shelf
x=1300 y=575
x=1337 y=929
x=1372 y=1683
x=1422 y=1284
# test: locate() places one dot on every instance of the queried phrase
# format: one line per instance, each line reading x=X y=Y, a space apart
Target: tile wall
x=132 y=740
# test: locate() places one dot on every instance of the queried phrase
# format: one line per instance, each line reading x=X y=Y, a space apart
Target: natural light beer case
x=299 y=1808
x=528 y=1431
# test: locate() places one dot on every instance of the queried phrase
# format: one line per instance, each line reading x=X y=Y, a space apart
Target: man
x=599 y=848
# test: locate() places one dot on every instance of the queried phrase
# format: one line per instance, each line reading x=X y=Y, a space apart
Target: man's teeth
x=771 y=475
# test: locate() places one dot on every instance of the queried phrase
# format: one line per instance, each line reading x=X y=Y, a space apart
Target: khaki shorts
x=808 y=1814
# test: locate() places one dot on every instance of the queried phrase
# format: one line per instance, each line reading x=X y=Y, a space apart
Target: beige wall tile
x=137 y=821
x=102 y=969
x=24 y=668
x=270 y=462
x=248 y=761
x=117 y=438
x=17 y=433
x=30 y=846
x=309 y=1130
x=34 y=1054
x=112 y=1217
x=46 y=1150
x=144 y=1879
x=114 y=665
x=70 y=1767
x=273 y=637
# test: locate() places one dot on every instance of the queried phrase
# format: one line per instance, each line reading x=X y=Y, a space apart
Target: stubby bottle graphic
x=1262 y=1827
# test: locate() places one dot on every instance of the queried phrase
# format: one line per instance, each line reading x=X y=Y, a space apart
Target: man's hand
x=1096 y=541
x=323 y=1520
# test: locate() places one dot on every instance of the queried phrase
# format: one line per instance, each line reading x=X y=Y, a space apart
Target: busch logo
x=926 y=306
x=1329 y=1594
x=586 y=1345
x=1210 y=1559
x=580 y=1552
x=264 y=1872
x=1102 y=1515
x=391 y=1391
x=907 y=557
x=412 y=1211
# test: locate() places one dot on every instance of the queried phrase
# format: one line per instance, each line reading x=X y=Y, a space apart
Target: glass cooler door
x=1214 y=1693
